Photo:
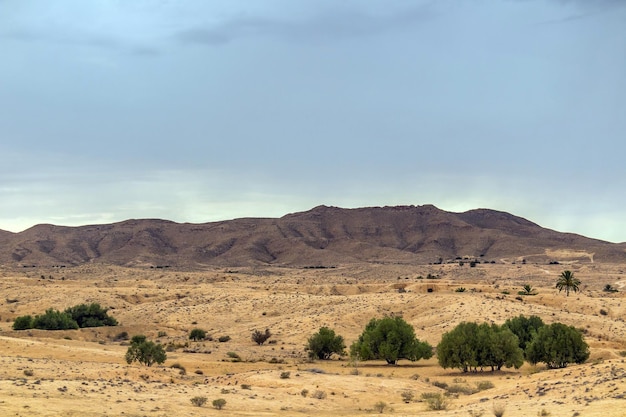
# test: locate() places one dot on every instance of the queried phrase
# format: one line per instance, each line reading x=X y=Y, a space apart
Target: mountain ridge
x=321 y=236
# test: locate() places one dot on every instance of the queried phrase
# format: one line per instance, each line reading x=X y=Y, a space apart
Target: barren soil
x=83 y=372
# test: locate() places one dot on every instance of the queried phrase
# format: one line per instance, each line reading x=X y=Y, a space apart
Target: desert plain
x=83 y=372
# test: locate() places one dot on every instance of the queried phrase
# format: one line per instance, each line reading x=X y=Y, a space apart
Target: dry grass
x=83 y=372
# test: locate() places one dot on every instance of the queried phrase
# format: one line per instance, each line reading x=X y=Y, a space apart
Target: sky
x=206 y=110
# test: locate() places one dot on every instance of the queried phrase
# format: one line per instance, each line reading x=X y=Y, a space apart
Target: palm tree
x=528 y=289
x=568 y=282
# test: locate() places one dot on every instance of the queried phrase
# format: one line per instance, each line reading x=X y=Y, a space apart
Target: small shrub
x=407 y=396
x=484 y=385
x=603 y=312
x=380 y=406
x=121 y=336
x=28 y=372
x=435 y=401
x=234 y=356
x=498 y=409
x=260 y=337
x=460 y=289
x=304 y=392
x=285 y=375
x=246 y=386
x=461 y=389
x=543 y=413
x=180 y=368
x=161 y=334
x=320 y=395
x=223 y=339
x=198 y=372
x=219 y=403
x=198 y=401
x=441 y=385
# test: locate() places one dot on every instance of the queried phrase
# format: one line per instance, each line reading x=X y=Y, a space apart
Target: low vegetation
x=79 y=316
x=260 y=337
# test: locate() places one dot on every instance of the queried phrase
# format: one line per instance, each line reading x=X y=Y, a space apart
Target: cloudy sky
x=204 y=110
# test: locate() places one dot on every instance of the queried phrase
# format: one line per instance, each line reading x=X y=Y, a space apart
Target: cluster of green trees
x=79 y=316
x=468 y=347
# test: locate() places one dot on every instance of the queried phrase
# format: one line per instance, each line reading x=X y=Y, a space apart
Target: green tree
x=470 y=346
x=528 y=290
x=457 y=348
x=557 y=345
x=23 y=323
x=90 y=315
x=54 y=320
x=568 y=282
x=500 y=348
x=525 y=328
x=145 y=351
x=325 y=343
x=391 y=339
x=219 y=403
x=197 y=334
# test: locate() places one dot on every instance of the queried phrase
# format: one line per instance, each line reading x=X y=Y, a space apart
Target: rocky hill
x=321 y=237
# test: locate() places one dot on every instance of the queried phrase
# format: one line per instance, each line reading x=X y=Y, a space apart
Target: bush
x=223 y=339
x=391 y=339
x=407 y=396
x=23 y=323
x=219 y=403
x=319 y=395
x=557 y=345
x=54 y=320
x=197 y=334
x=285 y=375
x=198 y=401
x=91 y=315
x=234 y=356
x=435 y=401
x=470 y=346
x=145 y=351
x=325 y=343
x=460 y=289
x=498 y=409
x=121 y=336
x=260 y=337
x=181 y=368
x=484 y=385
x=380 y=406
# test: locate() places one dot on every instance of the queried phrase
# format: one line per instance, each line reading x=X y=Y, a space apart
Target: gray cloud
x=333 y=24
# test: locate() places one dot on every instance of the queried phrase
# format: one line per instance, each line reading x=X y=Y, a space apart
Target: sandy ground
x=83 y=372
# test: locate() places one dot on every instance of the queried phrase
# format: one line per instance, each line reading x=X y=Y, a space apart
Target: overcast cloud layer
x=197 y=110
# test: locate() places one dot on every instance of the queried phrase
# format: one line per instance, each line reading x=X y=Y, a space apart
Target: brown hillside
x=323 y=236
